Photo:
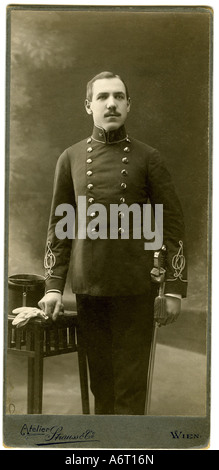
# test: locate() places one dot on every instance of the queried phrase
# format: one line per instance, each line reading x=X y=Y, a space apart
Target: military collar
x=111 y=137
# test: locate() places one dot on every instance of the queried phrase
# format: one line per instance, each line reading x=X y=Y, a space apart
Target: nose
x=111 y=103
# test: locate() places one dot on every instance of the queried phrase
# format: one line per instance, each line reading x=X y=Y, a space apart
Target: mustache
x=112 y=113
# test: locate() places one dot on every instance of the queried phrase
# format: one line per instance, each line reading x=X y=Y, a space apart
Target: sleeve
x=162 y=191
x=58 y=250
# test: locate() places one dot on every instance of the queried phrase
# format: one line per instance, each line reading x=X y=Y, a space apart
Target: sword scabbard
x=157 y=276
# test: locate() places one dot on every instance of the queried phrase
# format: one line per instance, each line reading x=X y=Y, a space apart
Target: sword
x=157 y=276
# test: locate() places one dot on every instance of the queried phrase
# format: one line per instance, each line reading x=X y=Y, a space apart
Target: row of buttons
x=123 y=185
x=124 y=172
x=120 y=230
x=121 y=214
x=90 y=186
x=90 y=149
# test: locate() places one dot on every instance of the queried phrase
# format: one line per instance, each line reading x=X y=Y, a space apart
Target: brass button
x=94 y=230
x=90 y=186
x=89 y=173
x=121 y=230
x=121 y=215
x=91 y=200
x=127 y=139
x=123 y=185
x=89 y=140
x=89 y=160
x=127 y=149
x=89 y=149
x=93 y=214
x=125 y=160
x=124 y=172
x=122 y=199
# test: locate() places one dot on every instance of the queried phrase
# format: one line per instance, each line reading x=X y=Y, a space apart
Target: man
x=111 y=276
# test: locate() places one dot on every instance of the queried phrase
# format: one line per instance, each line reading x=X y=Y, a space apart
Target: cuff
x=54 y=290
x=178 y=296
x=54 y=284
x=176 y=287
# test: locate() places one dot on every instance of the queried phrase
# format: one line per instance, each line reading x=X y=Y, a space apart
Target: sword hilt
x=158 y=276
x=158 y=271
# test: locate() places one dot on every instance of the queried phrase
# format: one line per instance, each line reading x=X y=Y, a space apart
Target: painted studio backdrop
x=164 y=58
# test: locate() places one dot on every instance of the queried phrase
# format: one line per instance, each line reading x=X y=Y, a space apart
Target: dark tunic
x=111 y=168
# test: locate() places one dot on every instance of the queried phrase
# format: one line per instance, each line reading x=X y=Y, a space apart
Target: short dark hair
x=100 y=76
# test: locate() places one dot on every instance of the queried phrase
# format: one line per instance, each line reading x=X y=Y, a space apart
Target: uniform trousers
x=117 y=334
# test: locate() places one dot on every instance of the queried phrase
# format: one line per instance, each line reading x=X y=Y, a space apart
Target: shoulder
x=144 y=153
x=143 y=147
x=70 y=152
x=75 y=147
x=156 y=163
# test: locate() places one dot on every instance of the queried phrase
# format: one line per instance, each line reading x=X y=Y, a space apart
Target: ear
x=128 y=105
x=87 y=105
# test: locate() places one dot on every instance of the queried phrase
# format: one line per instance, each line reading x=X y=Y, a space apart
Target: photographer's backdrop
x=163 y=57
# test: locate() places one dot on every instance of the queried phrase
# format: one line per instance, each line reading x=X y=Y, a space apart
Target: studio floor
x=179 y=381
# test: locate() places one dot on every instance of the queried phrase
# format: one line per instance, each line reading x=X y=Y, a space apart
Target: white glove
x=24 y=314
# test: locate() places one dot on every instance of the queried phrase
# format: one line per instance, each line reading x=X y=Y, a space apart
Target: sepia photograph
x=107 y=310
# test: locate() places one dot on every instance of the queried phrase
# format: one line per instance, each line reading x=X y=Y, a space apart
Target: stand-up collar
x=111 y=137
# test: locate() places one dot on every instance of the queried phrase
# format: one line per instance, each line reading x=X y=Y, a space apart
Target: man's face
x=109 y=105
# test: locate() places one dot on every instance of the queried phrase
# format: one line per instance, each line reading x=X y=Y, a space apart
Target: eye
x=120 y=96
x=102 y=96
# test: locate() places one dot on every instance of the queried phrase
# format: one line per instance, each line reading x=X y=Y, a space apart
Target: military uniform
x=113 y=275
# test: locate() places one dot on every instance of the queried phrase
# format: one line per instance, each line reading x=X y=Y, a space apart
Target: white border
x=214 y=440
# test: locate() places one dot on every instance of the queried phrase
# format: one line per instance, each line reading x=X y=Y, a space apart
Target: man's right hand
x=51 y=304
